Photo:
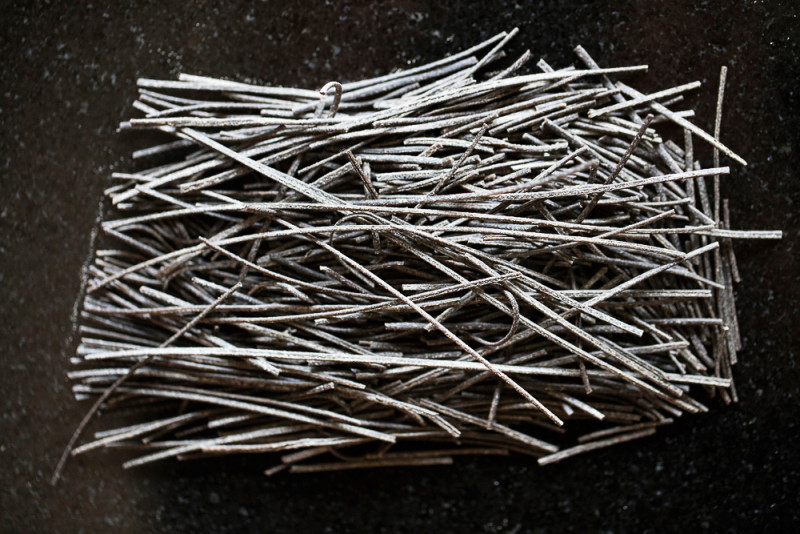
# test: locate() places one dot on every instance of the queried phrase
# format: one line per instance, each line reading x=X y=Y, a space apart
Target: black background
x=68 y=75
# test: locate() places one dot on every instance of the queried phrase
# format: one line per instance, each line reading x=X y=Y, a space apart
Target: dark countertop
x=68 y=76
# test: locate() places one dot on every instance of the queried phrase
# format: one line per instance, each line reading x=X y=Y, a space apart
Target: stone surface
x=68 y=75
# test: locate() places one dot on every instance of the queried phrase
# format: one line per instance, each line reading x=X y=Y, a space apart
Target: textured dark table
x=68 y=78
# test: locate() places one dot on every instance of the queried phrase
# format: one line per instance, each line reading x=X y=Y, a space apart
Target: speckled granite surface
x=67 y=79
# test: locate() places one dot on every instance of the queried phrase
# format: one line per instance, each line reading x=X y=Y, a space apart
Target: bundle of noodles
x=444 y=260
